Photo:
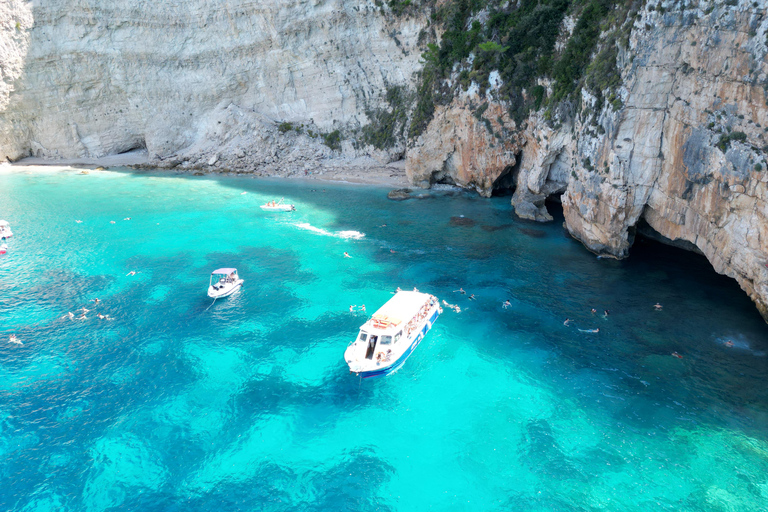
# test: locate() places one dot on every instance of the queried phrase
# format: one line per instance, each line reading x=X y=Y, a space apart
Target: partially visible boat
x=5 y=229
x=224 y=282
x=391 y=335
x=3 y=248
x=278 y=207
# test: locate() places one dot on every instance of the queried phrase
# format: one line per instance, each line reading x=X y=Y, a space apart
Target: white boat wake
x=355 y=235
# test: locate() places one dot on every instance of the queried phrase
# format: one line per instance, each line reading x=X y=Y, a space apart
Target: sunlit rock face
x=686 y=152
x=101 y=77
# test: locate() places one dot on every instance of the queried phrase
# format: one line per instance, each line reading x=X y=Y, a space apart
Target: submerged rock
x=462 y=221
x=400 y=194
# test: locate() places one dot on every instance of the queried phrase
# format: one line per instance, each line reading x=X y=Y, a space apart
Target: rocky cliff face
x=102 y=77
x=684 y=151
x=674 y=141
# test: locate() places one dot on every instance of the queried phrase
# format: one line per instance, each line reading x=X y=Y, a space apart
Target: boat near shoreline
x=391 y=335
x=278 y=207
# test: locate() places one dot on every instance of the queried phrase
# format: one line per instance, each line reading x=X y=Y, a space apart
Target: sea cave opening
x=505 y=184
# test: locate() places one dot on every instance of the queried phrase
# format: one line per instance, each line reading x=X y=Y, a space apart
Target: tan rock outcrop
x=462 y=148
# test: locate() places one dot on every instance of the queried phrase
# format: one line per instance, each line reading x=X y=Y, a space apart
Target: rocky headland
x=646 y=117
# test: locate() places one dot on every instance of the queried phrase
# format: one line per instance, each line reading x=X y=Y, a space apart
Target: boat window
x=363 y=336
x=386 y=340
x=397 y=336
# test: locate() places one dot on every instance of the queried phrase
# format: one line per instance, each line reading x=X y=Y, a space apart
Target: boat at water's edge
x=391 y=335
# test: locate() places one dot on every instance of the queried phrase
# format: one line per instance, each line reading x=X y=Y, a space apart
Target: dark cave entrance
x=507 y=181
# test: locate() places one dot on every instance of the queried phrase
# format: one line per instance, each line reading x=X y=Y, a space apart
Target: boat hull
x=220 y=294
x=284 y=208
x=400 y=361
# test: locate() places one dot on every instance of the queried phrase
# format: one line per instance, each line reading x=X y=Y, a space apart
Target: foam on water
x=247 y=404
x=356 y=235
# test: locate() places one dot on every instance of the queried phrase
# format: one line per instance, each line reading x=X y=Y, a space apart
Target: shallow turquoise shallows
x=178 y=404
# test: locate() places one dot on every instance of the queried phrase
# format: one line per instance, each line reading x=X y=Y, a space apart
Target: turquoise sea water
x=248 y=404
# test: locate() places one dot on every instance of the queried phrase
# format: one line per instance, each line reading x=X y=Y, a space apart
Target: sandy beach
x=362 y=171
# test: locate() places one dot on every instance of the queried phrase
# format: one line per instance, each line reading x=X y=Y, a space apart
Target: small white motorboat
x=5 y=229
x=392 y=334
x=278 y=206
x=224 y=282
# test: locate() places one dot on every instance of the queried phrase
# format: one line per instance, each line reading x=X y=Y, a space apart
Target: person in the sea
x=460 y=290
x=352 y=308
x=729 y=343
x=131 y=273
x=567 y=322
x=657 y=306
x=605 y=314
x=506 y=304
x=346 y=255
x=594 y=311
x=362 y=308
x=472 y=297
x=589 y=330
x=14 y=339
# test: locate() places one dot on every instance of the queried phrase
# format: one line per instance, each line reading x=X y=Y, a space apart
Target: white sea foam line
x=339 y=234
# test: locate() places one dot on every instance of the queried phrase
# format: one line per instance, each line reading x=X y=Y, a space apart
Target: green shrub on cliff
x=332 y=140
x=387 y=126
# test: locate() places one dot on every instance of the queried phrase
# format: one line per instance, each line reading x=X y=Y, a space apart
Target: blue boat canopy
x=226 y=271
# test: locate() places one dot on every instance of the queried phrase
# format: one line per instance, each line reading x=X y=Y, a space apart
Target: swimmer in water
x=84 y=310
x=657 y=306
x=351 y=309
x=472 y=297
x=69 y=315
x=729 y=343
x=111 y=222
x=79 y=221
x=593 y=311
x=675 y=354
x=590 y=330
x=95 y=301
x=506 y=304
x=346 y=255
x=362 y=308
x=14 y=339
x=131 y=273
x=460 y=290
x=567 y=322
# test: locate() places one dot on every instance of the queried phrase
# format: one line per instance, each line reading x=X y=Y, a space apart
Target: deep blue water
x=248 y=404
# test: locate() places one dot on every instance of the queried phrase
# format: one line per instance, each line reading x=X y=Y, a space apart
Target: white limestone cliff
x=102 y=77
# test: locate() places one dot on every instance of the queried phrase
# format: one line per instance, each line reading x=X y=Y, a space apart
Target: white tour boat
x=224 y=282
x=5 y=229
x=392 y=334
x=278 y=207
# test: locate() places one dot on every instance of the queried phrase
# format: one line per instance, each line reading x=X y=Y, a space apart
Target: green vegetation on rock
x=387 y=126
x=518 y=40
